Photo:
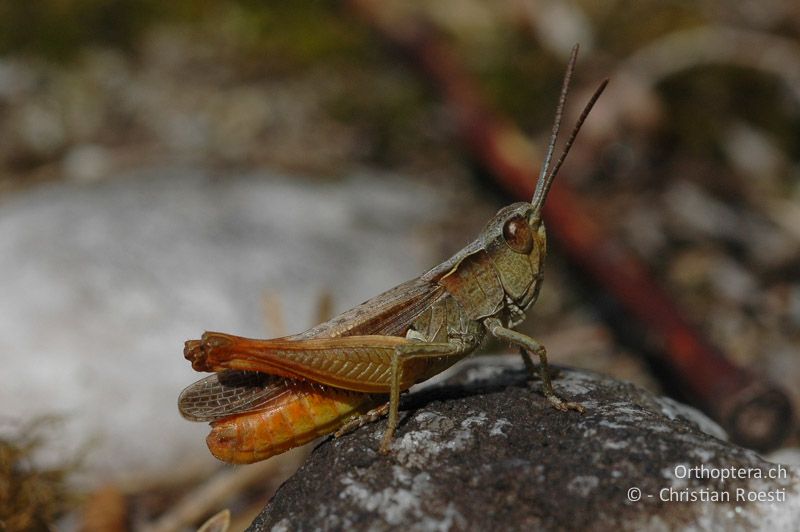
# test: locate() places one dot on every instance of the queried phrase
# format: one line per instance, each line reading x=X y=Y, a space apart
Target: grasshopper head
x=515 y=237
x=514 y=241
x=517 y=244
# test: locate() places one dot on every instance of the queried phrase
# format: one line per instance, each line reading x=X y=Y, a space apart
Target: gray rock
x=491 y=454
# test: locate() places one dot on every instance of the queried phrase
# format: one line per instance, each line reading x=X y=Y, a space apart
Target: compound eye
x=517 y=234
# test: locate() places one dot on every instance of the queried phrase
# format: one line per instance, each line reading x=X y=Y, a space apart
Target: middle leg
x=402 y=355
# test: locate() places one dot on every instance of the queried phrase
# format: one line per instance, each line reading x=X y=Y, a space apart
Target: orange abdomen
x=303 y=412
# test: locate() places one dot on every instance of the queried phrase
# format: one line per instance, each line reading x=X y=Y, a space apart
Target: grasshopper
x=270 y=395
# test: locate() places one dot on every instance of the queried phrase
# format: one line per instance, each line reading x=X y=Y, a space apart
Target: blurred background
x=172 y=167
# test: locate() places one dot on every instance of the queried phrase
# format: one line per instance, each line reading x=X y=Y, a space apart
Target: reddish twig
x=755 y=412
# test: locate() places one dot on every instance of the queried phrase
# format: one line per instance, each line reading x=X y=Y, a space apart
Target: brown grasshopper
x=271 y=395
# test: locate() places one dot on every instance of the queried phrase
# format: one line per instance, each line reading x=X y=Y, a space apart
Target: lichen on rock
x=483 y=454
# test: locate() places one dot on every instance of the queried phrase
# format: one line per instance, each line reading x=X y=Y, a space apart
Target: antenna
x=546 y=179
x=562 y=100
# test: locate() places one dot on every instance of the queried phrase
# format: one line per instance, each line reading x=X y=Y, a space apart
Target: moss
x=57 y=28
x=296 y=32
x=389 y=107
x=524 y=82
x=703 y=102
x=289 y=35
x=633 y=22
x=32 y=498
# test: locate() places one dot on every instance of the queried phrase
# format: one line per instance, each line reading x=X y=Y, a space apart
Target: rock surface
x=486 y=452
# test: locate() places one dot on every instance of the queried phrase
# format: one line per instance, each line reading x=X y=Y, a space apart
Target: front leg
x=527 y=346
